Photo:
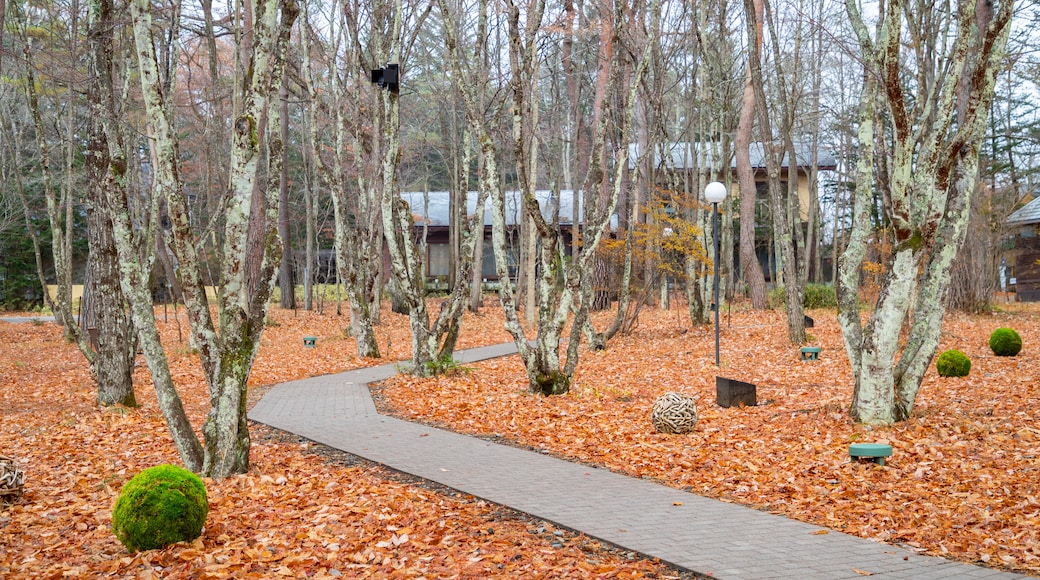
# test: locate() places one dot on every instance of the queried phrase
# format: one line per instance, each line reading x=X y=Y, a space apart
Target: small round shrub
x=160 y=506
x=1005 y=342
x=953 y=363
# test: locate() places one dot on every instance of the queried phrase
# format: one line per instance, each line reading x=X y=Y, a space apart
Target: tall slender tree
x=751 y=269
x=773 y=153
x=105 y=336
x=226 y=349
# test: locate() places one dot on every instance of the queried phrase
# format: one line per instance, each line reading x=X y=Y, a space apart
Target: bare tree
x=109 y=345
x=750 y=267
x=936 y=101
x=107 y=320
x=773 y=154
x=226 y=349
x=555 y=300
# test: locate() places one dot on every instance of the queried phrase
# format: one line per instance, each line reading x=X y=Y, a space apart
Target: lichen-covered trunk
x=873 y=397
x=225 y=431
x=356 y=245
x=228 y=356
x=932 y=168
x=406 y=263
x=354 y=270
x=242 y=299
x=361 y=327
x=134 y=272
x=929 y=305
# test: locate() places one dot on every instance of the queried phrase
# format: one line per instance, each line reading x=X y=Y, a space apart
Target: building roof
x=433 y=207
x=1027 y=214
x=682 y=155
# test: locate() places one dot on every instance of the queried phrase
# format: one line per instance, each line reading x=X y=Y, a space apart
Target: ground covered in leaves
x=963 y=481
x=303 y=510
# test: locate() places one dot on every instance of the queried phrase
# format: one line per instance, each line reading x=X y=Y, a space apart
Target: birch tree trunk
x=429 y=355
x=546 y=372
x=358 y=243
x=934 y=142
x=226 y=356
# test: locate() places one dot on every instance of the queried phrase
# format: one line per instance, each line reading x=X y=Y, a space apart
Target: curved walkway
x=701 y=535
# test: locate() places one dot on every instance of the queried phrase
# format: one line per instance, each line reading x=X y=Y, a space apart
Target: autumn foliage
x=301 y=511
x=962 y=481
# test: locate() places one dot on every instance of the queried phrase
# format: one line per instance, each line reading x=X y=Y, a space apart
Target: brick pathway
x=701 y=535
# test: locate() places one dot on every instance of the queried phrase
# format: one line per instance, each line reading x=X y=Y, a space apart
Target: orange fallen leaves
x=301 y=511
x=963 y=481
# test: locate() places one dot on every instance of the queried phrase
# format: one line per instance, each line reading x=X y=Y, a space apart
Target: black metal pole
x=715 y=231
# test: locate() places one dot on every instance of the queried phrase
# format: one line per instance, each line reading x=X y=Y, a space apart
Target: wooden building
x=1023 y=254
x=431 y=213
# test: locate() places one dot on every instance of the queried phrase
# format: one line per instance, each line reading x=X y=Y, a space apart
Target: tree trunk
x=932 y=173
x=476 y=292
x=783 y=216
x=242 y=306
x=529 y=239
x=750 y=267
x=286 y=272
x=358 y=244
x=116 y=344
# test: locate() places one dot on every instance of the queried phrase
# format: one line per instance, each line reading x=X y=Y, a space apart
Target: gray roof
x=1027 y=214
x=682 y=155
x=436 y=205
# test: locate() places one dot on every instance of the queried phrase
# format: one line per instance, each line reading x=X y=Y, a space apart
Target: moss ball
x=1005 y=342
x=160 y=506
x=953 y=363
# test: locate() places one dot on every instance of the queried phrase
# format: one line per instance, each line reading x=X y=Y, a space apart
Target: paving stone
x=702 y=535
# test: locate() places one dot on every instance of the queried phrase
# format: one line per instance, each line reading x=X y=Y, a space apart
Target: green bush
x=820 y=296
x=816 y=296
x=1005 y=342
x=953 y=363
x=160 y=506
x=446 y=365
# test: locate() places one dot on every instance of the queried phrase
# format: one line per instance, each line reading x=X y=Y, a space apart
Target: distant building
x=1023 y=253
x=431 y=212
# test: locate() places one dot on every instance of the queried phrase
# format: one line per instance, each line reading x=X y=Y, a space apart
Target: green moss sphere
x=160 y=506
x=953 y=363
x=1005 y=342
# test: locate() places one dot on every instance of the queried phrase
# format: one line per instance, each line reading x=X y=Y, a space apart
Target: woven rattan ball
x=12 y=480
x=674 y=413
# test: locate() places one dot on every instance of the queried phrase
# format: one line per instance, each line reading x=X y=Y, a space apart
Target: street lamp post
x=715 y=192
